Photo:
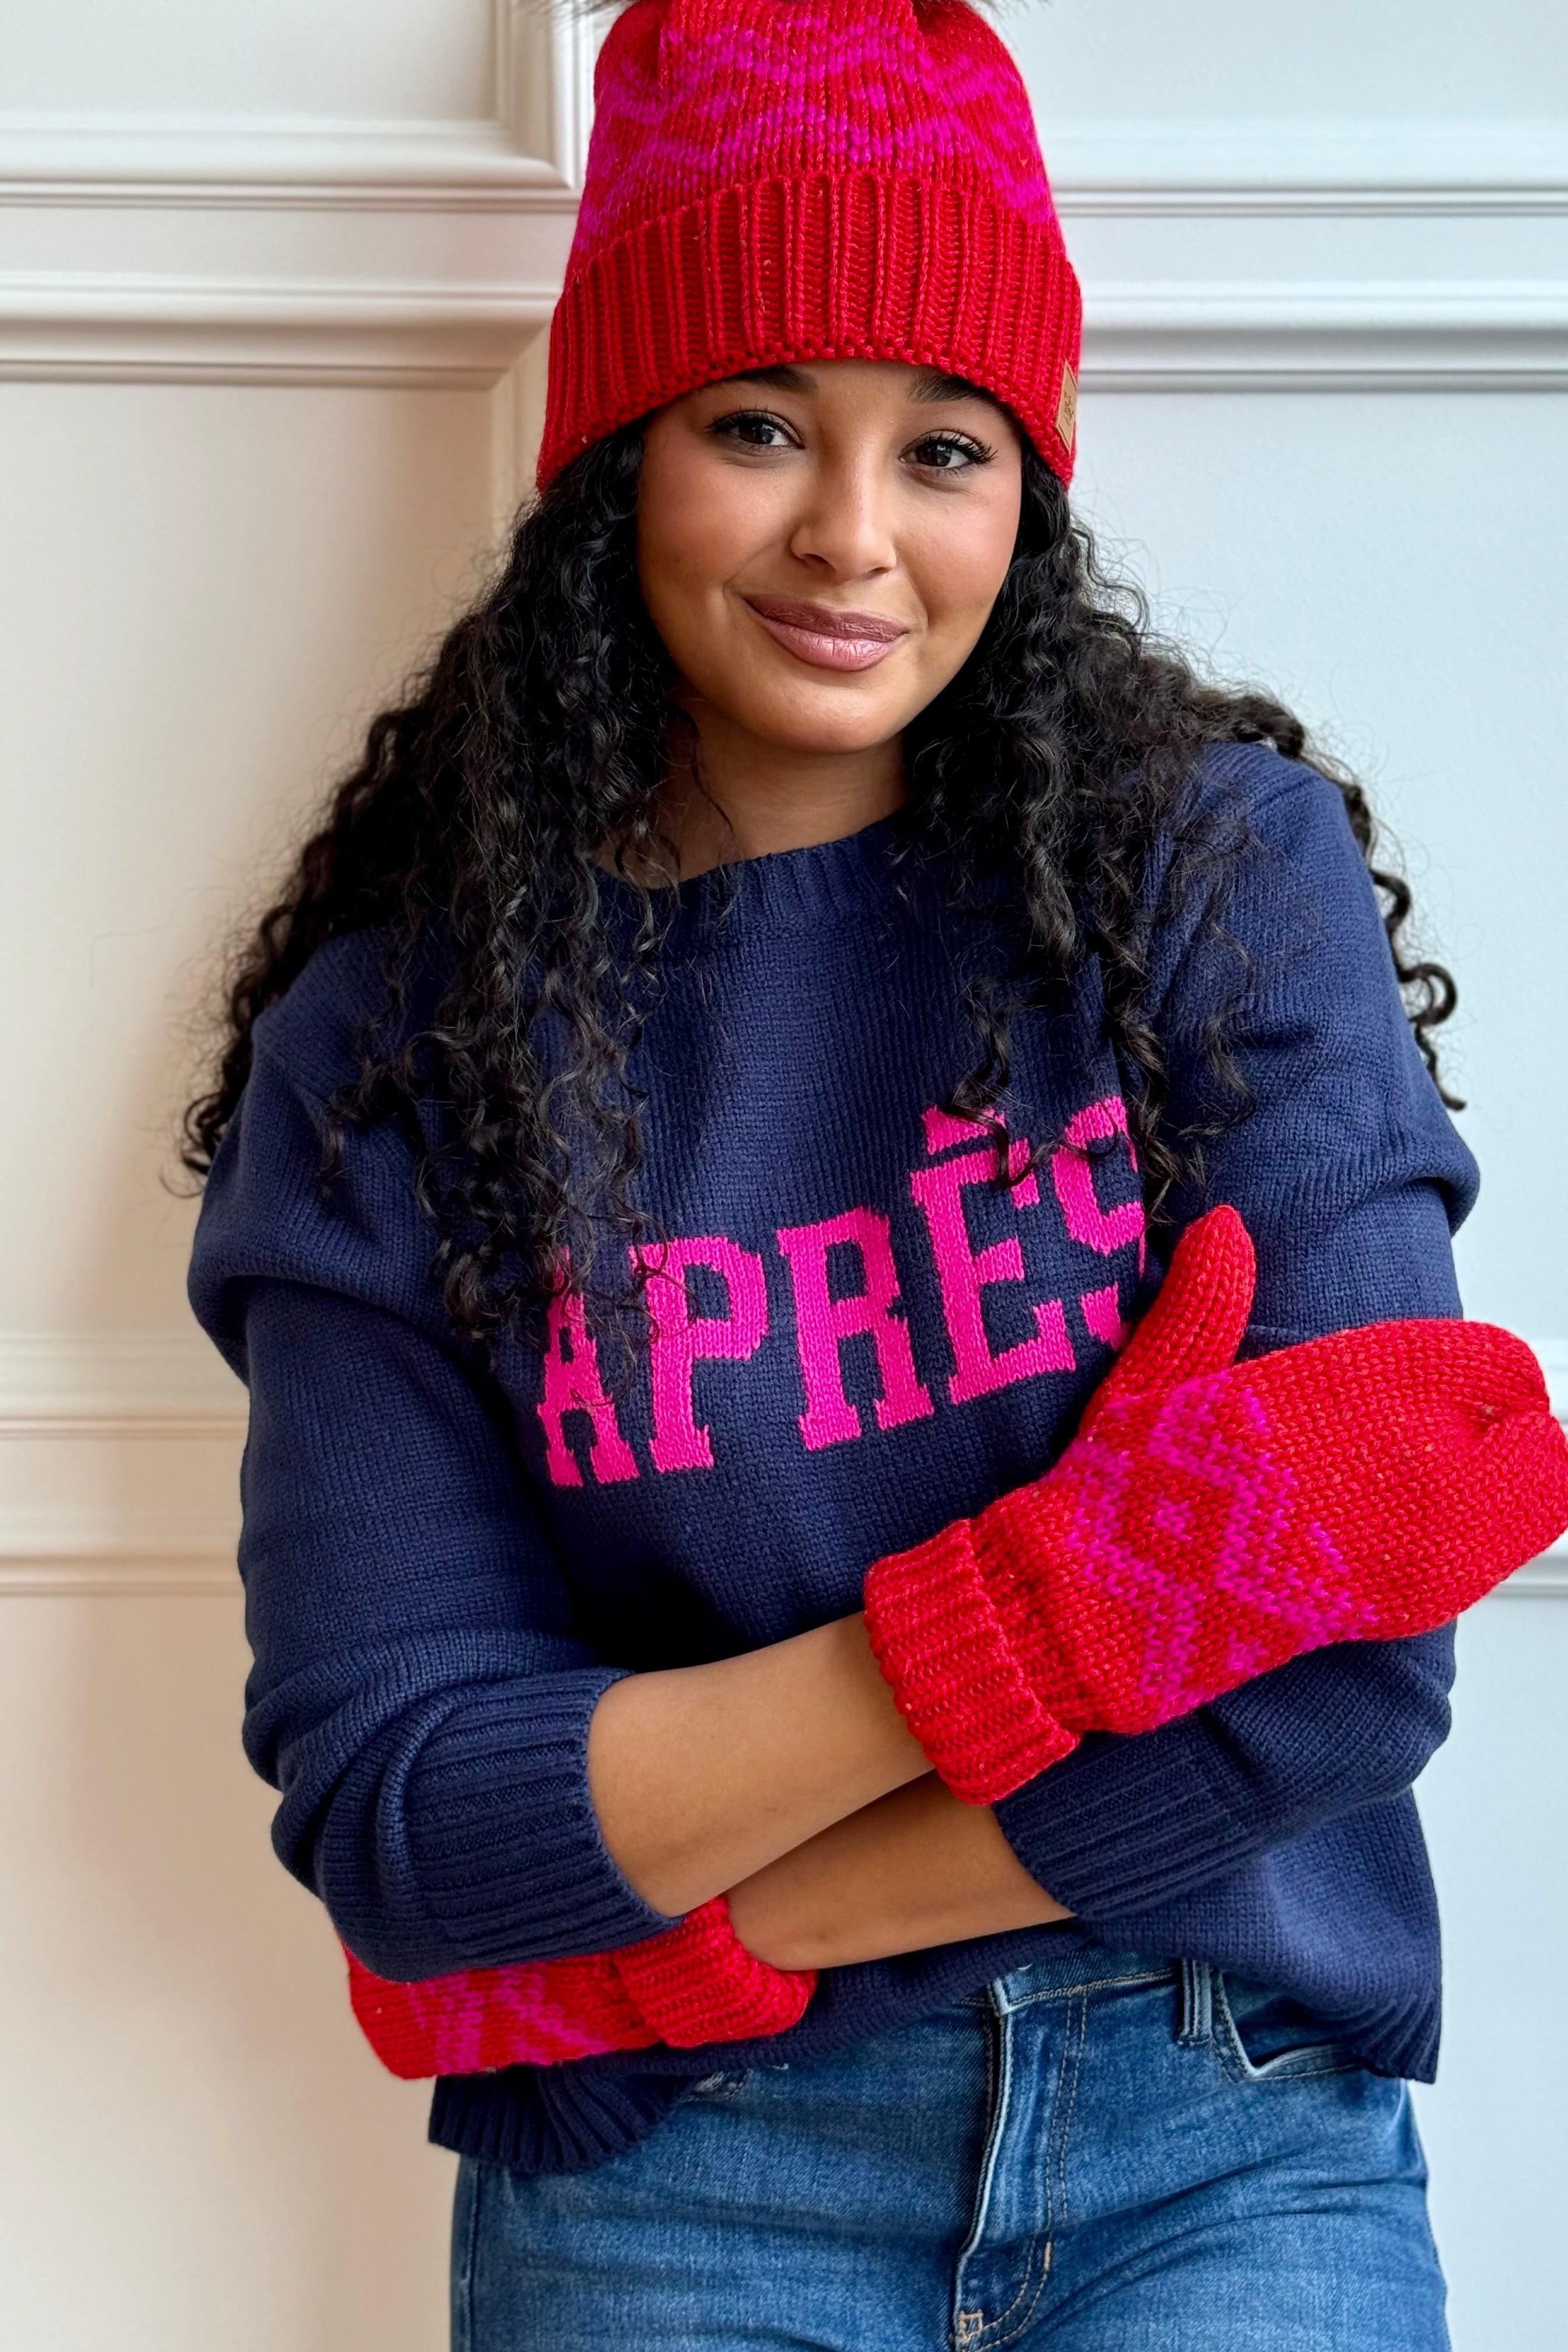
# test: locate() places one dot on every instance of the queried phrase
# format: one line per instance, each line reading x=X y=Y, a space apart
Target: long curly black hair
x=540 y=732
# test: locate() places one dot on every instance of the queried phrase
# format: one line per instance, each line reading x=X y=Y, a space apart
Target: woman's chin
x=824 y=727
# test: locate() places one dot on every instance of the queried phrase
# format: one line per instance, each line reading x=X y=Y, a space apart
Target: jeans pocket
x=1262 y=2035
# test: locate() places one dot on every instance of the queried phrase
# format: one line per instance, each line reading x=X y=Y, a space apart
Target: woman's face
x=819 y=546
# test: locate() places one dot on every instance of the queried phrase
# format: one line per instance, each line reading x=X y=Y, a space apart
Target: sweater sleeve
x=418 y=1697
x=1350 y=1178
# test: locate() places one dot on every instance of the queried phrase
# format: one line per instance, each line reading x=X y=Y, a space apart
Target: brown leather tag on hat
x=1067 y=407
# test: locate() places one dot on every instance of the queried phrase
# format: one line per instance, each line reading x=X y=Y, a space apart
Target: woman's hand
x=917 y=1868
x=1212 y=1520
x=695 y=1983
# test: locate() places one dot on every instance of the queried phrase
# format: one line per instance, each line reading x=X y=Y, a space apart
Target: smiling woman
x=751 y=1160
x=819 y=570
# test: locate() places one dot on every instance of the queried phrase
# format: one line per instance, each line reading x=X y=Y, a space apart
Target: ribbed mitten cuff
x=941 y=1646
x=699 y=1983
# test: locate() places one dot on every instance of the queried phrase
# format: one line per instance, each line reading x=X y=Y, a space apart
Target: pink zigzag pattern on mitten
x=1213 y=1519
x=1264 y=1511
x=475 y=2020
x=695 y=1982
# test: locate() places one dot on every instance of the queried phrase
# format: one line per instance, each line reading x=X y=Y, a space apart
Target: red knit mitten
x=694 y=1983
x=1211 y=1520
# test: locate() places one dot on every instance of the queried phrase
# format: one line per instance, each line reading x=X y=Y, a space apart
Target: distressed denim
x=1100 y=2152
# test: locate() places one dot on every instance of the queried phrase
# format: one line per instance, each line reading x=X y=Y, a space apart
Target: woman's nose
x=846 y=519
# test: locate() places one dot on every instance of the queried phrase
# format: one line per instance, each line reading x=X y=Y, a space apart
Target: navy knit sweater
x=444 y=1568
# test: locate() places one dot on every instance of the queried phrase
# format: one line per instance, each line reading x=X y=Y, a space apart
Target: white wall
x=272 y=286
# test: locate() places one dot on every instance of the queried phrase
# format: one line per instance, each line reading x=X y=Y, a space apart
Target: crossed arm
x=788 y=1779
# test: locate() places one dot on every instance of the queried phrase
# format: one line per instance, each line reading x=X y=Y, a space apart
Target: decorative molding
x=210 y=164
x=1159 y=169
x=118 y=1463
x=527 y=155
x=455 y=270
x=57 y=1575
x=65 y=327
x=129 y=1383
x=544 y=60
x=1274 y=336
x=62 y=326
x=120 y=1457
x=530 y=152
x=1547 y=1578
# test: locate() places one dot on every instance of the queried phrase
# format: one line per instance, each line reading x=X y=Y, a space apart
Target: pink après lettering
x=942 y=1130
x=823 y=1323
x=963 y=1272
x=679 y=1340
x=572 y=1384
x=1072 y=1174
x=1101 y=1312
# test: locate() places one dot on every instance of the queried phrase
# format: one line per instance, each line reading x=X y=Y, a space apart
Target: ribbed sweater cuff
x=502 y=1835
x=1123 y=1824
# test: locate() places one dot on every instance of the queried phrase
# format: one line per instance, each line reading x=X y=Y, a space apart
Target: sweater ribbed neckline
x=785 y=889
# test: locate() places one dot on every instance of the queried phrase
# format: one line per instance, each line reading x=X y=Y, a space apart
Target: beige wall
x=272 y=285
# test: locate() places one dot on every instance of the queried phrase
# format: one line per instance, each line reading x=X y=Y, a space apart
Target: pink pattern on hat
x=772 y=179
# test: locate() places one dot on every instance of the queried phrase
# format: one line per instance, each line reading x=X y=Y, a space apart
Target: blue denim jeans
x=1101 y=2152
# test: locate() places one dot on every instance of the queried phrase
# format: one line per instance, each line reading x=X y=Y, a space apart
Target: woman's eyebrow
x=930 y=383
x=777 y=378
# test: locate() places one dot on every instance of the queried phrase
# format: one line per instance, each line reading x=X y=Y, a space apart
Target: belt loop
x=1197 y=2002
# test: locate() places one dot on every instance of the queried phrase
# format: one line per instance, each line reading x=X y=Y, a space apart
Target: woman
x=694 y=1134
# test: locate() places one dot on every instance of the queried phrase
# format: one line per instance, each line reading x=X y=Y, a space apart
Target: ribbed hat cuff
x=834 y=264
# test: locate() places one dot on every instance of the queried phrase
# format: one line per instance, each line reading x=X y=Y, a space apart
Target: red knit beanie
x=774 y=179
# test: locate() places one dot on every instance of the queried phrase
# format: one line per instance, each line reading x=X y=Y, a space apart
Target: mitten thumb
x=1196 y=1323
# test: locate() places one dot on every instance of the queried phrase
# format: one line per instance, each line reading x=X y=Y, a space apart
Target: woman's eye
x=936 y=453
x=749 y=427
x=949 y=453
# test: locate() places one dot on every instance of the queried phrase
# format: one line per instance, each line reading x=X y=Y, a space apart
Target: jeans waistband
x=1079 y=1968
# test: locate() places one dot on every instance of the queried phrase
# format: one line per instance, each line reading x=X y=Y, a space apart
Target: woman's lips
x=827 y=640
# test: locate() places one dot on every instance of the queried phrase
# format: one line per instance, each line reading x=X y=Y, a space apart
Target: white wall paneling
x=1547 y=1579
x=119 y=1459
x=199 y=2153
x=273 y=287
x=410 y=251
x=1276 y=168
x=524 y=139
